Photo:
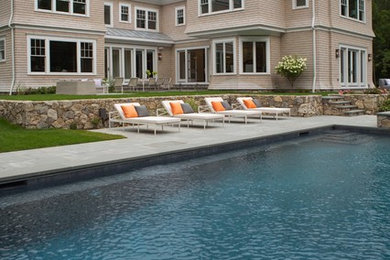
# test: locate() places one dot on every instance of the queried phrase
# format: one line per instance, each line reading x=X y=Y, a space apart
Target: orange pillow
x=249 y=103
x=218 y=106
x=176 y=108
x=129 y=111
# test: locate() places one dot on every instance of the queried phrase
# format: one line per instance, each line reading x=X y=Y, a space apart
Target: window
x=213 y=6
x=224 y=56
x=353 y=67
x=297 y=4
x=146 y=19
x=2 y=49
x=191 y=65
x=354 y=9
x=254 y=55
x=76 y=7
x=52 y=55
x=124 y=14
x=180 y=19
x=108 y=14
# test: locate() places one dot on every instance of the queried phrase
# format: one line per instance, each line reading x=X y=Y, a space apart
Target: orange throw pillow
x=249 y=103
x=218 y=107
x=129 y=111
x=176 y=108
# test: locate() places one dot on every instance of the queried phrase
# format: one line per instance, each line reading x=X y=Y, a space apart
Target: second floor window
x=108 y=14
x=146 y=19
x=300 y=4
x=77 y=7
x=180 y=16
x=211 y=6
x=354 y=9
x=125 y=13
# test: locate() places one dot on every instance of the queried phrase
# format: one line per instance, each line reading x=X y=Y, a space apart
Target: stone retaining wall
x=383 y=120
x=368 y=102
x=84 y=114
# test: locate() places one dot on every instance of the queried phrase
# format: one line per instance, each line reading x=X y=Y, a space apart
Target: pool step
x=346 y=138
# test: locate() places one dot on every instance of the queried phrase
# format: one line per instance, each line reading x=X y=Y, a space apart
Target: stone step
x=346 y=107
x=355 y=112
x=340 y=102
x=332 y=97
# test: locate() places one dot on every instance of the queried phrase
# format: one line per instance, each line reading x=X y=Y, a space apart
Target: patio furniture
x=384 y=83
x=219 y=106
x=118 y=84
x=76 y=87
x=167 y=83
x=152 y=83
x=246 y=102
x=160 y=83
x=100 y=86
x=135 y=114
x=188 y=114
x=133 y=84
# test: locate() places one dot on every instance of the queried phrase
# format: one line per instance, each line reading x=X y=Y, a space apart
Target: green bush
x=37 y=91
x=385 y=106
x=373 y=91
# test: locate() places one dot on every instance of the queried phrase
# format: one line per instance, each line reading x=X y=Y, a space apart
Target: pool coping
x=66 y=175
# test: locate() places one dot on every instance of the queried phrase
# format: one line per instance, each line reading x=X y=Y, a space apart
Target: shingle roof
x=138 y=35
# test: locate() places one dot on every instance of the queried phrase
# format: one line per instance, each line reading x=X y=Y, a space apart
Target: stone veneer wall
x=368 y=102
x=84 y=114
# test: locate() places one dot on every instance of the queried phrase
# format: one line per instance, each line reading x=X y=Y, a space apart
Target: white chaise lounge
x=231 y=113
x=275 y=111
x=140 y=120
x=191 y=117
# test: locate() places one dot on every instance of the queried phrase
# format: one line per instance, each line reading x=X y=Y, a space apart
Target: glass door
x=106 y=62
x=192 y=66
x=116 y=63
x=139 y=64
x=128 y=61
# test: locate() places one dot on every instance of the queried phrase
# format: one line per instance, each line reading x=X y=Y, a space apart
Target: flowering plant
x=291 y=67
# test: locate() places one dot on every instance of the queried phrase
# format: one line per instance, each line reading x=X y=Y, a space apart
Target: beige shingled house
x=219 y=44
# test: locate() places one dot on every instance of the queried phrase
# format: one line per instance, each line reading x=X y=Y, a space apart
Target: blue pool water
x=325 y=197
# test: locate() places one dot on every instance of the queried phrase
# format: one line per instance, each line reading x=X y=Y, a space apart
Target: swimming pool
x=322 y=197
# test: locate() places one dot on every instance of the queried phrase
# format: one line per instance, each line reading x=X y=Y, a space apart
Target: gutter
x=12 y=46
x=314 y=47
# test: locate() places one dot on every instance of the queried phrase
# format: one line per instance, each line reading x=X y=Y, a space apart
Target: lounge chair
x=226 y=110
x=139 y=118
x=247 y=102
x=191 y=116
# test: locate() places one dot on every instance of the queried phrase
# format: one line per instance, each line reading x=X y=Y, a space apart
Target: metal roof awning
x=115 y=35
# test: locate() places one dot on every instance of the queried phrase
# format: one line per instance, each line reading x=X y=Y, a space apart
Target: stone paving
x=37 y=161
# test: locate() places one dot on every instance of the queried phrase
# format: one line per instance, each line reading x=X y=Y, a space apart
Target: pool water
x=323 y=197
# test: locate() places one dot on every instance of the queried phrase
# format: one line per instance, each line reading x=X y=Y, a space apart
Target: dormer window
x=215 y=6
x=75 y=7
x=354 y=9
x=297 y=4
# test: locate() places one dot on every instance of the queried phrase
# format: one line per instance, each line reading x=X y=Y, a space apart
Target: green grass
x=48 y=97
x=15 y=138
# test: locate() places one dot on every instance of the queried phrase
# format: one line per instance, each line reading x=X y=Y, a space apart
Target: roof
x=139 y=36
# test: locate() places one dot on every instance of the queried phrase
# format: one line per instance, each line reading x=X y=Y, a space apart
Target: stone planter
x=384 y=120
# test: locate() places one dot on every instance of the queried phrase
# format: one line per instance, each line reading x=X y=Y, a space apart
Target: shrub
x=385 y=106
x=35 y=91
x=373 y=91
x=291 y=67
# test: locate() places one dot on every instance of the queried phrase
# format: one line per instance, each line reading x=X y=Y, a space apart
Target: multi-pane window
x=2 y=49
x=254 y=57
x=86 y=56
x=38 y=55
x=300 y=3
x=78 y=7
x=180 y=16
x=354 y=9
x=125 y=13
x=146 y=19
x=58 y=56
x=211 y=6
x=353 y=67
x=224 y=57
x=108 y=14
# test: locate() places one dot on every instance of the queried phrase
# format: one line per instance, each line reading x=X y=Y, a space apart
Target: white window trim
x=354 y=19
x=294 y=5
x=5 y=48
x=268 y=53
x=133 y=49
x=47 y=56
x=185 y=81
x=184 y=15
x=231 y=9
x=147 y=19
x=120 y=13
x=359 y=84
x=54 y=7
x=225 y=40
x=111 y=14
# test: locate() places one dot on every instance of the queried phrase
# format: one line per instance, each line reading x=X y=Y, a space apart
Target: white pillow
x=98 y=82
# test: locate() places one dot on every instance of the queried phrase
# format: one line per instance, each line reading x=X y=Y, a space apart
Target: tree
x=291 y=68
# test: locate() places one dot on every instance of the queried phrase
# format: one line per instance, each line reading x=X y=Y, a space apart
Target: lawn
x=15 y=138
x=48 y=97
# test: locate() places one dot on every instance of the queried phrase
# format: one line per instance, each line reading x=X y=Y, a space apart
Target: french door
x=353 y=67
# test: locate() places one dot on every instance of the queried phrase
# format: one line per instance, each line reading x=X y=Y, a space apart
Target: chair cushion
x=187 y=109
x=217 y=106
x=176 y=108
x=129 y=111
x=226 y=105
x=257 y=102
x=249 y=103
x=142 y=111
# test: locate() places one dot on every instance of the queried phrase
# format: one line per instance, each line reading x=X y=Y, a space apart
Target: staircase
x=336 y=105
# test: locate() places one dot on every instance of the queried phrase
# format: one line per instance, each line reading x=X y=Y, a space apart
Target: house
x=223 y=44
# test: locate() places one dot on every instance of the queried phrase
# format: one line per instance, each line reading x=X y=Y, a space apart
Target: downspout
x=12 y=46
x=314 y=47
